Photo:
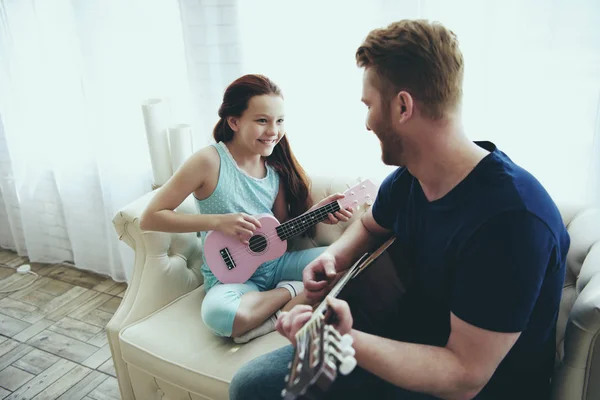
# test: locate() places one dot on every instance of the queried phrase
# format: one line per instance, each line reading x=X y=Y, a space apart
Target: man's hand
x=343 y=215
x=319 y=277
x=289 y=323
x=341 y=309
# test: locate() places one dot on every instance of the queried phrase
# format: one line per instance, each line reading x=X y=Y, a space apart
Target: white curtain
x=532 y=79
x=594 y=187
x=212 y=42
x=73 y=76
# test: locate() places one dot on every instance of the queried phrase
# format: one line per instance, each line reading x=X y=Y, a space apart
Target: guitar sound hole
x=258 y=243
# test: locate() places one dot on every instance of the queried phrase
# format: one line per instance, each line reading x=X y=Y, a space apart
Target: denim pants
x=375 y=300
x=223 y=300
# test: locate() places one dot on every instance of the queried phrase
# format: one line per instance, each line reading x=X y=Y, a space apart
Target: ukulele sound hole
x=258 y=243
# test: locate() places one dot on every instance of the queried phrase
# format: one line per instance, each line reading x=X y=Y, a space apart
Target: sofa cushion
x=174 y=345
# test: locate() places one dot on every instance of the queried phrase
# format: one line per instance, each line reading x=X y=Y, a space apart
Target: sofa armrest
x=577 y=375
x=166 y=266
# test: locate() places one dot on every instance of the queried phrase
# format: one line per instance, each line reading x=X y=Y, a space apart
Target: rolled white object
x=180 y=140
x=156 y=120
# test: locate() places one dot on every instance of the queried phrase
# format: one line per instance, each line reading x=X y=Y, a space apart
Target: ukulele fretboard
x=301 y=223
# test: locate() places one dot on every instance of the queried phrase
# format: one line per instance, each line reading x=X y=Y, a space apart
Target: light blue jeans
x=379 y=307
x=264 y=378
x=223 y=300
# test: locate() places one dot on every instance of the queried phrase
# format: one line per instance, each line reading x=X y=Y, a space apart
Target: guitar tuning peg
x=348 y=351
x=283 y=393
x=347 y=365
x=346 y=341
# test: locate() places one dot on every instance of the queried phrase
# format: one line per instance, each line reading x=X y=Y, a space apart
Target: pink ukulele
x=231 y=261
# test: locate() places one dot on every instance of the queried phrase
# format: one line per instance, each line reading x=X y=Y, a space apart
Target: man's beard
x=391 y=144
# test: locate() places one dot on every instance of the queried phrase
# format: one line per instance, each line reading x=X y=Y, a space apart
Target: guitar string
x=360 y=265
x=336 y=290
x=318 y=322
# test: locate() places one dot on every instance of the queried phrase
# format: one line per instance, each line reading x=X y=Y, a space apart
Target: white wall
x=532 y=78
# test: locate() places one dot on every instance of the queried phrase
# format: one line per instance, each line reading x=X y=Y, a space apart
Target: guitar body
x=264 y=246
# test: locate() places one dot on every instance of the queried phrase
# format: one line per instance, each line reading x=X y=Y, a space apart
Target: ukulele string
x=320 y=214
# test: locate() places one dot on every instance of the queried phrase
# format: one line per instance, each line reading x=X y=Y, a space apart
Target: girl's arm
x=194 y=175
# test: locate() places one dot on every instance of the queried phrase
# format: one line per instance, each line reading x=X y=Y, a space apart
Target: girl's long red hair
x=295 y=180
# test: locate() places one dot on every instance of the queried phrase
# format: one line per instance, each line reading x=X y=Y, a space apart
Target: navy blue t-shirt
x=492 y=251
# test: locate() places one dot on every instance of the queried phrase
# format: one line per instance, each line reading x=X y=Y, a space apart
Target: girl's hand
x=342 y=215
x=240 y=225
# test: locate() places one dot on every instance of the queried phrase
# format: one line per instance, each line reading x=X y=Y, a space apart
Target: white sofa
x=162 y=350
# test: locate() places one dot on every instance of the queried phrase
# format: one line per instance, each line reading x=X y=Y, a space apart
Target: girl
x=250 y=170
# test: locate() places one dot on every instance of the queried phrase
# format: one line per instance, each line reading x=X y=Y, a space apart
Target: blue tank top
x=236 y=191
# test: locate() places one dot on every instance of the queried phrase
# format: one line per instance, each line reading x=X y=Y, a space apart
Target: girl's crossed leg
x=234 y=309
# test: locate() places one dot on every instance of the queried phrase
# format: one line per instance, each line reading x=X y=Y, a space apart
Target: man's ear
x=233 y=123
x=405 y=106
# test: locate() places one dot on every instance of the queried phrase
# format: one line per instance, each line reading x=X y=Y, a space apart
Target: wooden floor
x=52 y=339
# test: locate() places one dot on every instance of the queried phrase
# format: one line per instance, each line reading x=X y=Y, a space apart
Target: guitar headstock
x=359 y=194
x=320 y=353
x=320 y=349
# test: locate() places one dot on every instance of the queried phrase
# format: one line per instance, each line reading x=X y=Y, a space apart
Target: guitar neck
x=321 y=350
x=336 y=290
x=352 y=272
x=301 y=223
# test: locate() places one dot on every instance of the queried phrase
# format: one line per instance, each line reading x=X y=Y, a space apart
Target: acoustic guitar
x=321 y=352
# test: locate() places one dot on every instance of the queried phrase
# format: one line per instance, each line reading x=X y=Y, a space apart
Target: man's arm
x=496 y=283
x=458 y=371
x=510 y=251
x=373 y=228
x=360 y=237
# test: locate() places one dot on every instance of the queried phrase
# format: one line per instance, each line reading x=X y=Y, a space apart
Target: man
x=485 y=243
